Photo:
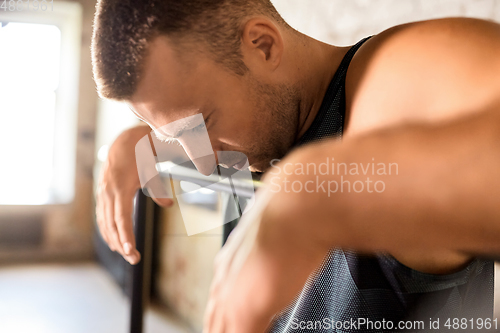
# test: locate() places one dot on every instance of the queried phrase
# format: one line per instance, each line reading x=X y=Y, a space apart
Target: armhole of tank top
x=496 y=291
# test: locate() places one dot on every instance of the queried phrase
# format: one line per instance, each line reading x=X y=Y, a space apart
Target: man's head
x=226 y=59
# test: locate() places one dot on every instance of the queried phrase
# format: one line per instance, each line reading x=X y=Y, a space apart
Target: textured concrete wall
x=186 y=267
x=344 y=22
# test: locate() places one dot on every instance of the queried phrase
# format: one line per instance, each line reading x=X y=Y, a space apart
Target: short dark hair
x=123 y=29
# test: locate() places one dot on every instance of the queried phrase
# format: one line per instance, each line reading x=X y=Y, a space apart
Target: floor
x=69 y=299
x=75 y=299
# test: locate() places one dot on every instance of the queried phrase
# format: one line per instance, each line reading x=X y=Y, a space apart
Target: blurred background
x=56 y=274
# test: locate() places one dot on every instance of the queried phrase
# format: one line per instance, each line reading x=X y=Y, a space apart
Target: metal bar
x=141 y=273
x=244 y=187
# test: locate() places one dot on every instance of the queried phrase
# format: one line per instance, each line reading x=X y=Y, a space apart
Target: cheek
x=238 y=120
x=231 y=126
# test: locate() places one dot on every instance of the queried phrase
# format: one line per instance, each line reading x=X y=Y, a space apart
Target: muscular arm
x=442 y=205
x=441 y=208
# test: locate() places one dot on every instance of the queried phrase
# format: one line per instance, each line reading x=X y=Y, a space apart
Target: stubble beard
x=279 y=118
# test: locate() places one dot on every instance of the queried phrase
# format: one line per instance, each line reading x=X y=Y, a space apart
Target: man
x=423 y=96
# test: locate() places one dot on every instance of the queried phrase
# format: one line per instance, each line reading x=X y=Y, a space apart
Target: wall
x=343 y=22
x=186 y=263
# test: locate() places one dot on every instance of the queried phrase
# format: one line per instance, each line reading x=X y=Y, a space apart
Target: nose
x=199 y=149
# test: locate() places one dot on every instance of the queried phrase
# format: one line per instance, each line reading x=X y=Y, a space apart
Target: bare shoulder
x=453 y=39
x=424 y=71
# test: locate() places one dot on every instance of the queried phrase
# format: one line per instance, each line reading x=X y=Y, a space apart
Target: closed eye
x=164 y=139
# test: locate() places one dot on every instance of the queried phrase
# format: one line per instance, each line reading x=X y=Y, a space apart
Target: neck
x=316 y=64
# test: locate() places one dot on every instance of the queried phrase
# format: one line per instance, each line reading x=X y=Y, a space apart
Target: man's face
x=248 y=114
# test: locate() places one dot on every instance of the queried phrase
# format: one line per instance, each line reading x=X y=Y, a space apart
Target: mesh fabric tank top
x=349 y=286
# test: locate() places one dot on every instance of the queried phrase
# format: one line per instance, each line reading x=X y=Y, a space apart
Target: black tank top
x=350 y=287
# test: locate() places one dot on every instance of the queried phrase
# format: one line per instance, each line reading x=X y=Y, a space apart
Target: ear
x=262 y=43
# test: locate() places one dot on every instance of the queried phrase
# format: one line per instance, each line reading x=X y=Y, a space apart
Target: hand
x=260 y=269
x=118 y=184
x=226 y=310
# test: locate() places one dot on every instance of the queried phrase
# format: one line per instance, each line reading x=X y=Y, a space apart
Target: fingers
x=163 y=202
x=227 y=310
x=218 y=323
x=160 y=192
x=111 y=231
x=214 y=320
x=101 y=219
x=209 y=313
x=114 y=219
x=124 y=226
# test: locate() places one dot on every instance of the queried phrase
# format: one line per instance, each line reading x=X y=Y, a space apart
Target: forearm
x=130 y=137
x=444 y=195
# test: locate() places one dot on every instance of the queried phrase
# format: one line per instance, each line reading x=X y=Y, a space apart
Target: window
x=30 y=78
x=39 y=61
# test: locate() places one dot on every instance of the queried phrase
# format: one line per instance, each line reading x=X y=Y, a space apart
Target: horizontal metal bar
x=242 y=187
